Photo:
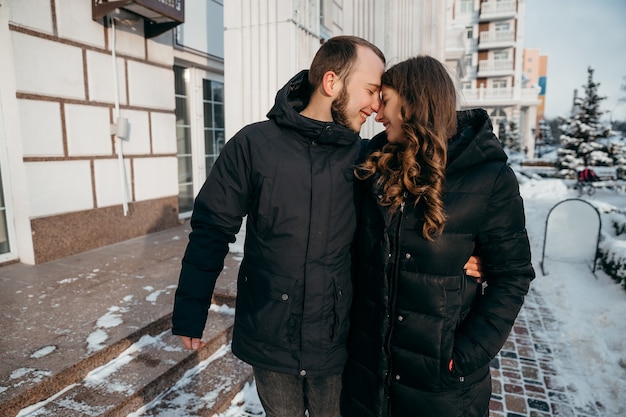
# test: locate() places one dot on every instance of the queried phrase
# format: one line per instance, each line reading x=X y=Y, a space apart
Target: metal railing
x=495 y=66
x=500 y=37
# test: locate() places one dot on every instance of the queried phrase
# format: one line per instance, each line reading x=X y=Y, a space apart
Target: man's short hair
x=338 y=54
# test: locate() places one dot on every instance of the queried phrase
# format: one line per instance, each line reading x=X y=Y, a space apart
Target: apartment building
x=536 y=72
x=485 y=49
x=112 y=113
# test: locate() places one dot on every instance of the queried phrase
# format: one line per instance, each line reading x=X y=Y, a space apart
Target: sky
x=575 y=34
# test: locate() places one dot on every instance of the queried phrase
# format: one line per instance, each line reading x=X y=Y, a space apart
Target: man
x=292 y=176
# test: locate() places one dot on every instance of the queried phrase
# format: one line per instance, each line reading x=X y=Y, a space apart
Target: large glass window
x=183 y=140
x=213 y=97
x=199 y=130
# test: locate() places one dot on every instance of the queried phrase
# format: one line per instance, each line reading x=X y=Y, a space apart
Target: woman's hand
x=473 y=268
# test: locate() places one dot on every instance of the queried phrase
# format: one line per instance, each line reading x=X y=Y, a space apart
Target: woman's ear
x=331 y=84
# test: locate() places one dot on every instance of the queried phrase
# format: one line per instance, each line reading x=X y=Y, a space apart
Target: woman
x=437 y=189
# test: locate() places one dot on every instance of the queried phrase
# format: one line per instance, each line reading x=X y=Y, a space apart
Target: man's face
x=360 y=96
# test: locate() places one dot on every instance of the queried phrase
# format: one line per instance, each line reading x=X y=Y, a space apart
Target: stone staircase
x=89 y=335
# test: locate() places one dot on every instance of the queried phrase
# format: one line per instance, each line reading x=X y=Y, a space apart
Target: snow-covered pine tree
x=580 y=133
x=545 y=132
x=509 y=135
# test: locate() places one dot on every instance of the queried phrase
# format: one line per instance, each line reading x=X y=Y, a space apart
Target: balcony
x=485 y=97
x=487 y=94
x=495 y=67
x=496 y=39
x=497 y=10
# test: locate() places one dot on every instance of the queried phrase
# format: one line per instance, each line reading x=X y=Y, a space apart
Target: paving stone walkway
x=525 y=379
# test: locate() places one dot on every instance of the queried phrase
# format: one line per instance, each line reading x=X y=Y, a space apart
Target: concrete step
x=204 y=390
x=156 y=373
x=64 y=319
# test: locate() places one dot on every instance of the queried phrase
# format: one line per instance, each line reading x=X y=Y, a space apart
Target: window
x=183 y=140
x=499 y=83
x=501 y=55
x=502 y=27
x=470 y=32
x=213 y=99
x=466 y=6
x=200 y=133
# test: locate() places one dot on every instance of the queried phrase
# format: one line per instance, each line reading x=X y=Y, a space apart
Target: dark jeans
x=285 y=395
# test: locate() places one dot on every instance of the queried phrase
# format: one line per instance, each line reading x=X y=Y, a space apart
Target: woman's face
x=389 y=114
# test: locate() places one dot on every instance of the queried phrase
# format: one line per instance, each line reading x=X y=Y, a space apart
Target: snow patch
x=31 y=411
x=95 y=341
x=223 y=309
x=185 y=401
x=111 y=319
x=44 y=351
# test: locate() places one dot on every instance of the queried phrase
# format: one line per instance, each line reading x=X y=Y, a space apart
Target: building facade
x=485 y=47
x=536 y=71
x=111 y=119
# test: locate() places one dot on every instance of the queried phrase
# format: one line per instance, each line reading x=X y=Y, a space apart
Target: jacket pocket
x=265 y=307
x=262 y=207
x=341 y=311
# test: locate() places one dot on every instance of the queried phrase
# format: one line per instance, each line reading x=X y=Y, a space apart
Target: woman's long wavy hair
x=416 y=165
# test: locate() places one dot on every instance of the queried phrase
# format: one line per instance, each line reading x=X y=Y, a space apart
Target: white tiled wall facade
x=88 y=130
x=150 y=86
x=45 y=137
x=100 y=78
x=65 y=94
x=108 y=181
x=48 y=68
x=33 y=14
x=60 y=187
x=153 y=178
x=75 y=66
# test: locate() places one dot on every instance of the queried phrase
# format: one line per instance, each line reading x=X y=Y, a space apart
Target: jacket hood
x=474 y=141
x=291 y=100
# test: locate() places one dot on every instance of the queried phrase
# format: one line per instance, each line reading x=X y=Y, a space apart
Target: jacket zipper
x=392 y=290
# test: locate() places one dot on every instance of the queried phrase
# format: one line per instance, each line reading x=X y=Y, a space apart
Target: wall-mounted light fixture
x=159 y=15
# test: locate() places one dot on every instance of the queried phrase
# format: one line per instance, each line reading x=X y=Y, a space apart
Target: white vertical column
x=266 y=42
x=11 y=154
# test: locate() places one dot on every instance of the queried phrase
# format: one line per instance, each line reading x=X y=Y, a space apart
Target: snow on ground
x=591 y=309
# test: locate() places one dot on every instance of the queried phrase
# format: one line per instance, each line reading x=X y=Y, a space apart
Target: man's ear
x=331 y=84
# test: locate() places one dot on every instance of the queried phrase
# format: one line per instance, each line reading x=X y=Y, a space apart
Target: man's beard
x=339 y=109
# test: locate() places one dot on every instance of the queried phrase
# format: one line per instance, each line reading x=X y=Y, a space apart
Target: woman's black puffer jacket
x=414 y=308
